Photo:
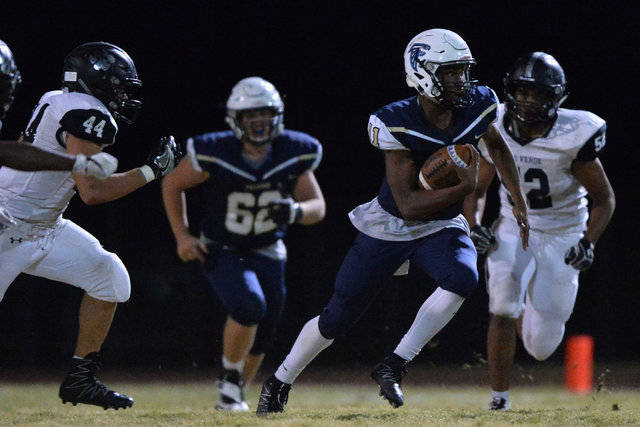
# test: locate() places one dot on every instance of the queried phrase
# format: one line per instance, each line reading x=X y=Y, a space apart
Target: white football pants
x=66 y=253
x=536 y=280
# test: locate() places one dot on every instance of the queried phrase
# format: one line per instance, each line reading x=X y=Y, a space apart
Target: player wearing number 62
x=98 y=80
x=257 y=180
x=556 y=151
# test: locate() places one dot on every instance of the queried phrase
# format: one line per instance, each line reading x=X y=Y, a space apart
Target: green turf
x=311 y=404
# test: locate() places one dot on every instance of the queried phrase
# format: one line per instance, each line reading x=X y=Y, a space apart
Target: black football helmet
x=106 y=72
x=9 y=79
x=541 y=71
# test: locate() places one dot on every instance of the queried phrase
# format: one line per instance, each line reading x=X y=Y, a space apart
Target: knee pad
x=540 y=349
x=542 y=341
x=462 y=281
x=112 y=282
x=502 y=308
x=250 y=311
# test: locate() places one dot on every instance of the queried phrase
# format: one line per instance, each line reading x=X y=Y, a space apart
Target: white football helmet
x=431 y=50
x=254 y=93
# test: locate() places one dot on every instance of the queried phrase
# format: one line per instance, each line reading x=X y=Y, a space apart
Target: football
x=438 y=171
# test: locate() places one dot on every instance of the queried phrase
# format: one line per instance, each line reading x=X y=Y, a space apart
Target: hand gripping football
x=439 y=171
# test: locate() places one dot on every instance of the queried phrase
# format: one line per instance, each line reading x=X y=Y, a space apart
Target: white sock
x=307 y=346
x=235 y=366
x=434 y=315
x=502 y=394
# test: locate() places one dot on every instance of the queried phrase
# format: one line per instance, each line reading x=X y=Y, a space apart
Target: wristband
x=148 y=174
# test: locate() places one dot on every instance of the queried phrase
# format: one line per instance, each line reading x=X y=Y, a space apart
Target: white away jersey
x=39 y=198
x=555 y=198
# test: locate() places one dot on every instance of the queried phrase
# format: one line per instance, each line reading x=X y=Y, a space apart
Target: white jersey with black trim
x=39 y=198
x=555 y=198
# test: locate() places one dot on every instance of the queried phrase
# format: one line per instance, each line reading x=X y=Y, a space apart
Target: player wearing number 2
x=98 y=79
x=258 y=180
x=556 y=151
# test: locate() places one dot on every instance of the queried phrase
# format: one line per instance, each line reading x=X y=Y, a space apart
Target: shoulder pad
x=306 y=148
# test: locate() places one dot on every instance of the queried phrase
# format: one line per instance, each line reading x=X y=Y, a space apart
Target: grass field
x=326 y=403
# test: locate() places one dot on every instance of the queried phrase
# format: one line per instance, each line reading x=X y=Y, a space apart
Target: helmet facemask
x=124 y=106
x=531 y=104
x=456 y=91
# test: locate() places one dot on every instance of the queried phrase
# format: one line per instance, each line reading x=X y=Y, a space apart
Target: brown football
x=438 y=171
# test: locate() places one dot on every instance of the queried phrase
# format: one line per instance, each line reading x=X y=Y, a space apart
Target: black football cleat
x=273 y=397
x=389 y=380
x=81 y=386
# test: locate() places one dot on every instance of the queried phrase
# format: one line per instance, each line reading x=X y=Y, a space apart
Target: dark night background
x=336 y=63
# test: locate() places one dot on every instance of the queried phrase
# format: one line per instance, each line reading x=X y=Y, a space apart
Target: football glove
x=580 y=256
x=100 y=165
x=482 y=238
x=163 y=159
x=285 y=211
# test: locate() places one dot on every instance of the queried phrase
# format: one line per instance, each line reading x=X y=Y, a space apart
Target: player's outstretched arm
x=93 y=191
x=26 y=157
x=504 y=163
x=185 y=176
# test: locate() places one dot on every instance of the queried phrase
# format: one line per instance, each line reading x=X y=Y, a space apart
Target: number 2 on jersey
x=537 y=198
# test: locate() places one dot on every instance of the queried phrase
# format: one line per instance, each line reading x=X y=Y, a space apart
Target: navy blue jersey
x=236 y=194
x=402 y=126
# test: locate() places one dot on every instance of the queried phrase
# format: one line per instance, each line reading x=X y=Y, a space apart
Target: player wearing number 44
x=257 y=180
x=26 y=157
x=556 y=151
x=98 y=80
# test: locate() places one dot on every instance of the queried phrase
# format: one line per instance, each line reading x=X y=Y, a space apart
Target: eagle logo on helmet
x=416 y=51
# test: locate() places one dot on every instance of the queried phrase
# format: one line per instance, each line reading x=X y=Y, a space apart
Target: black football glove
x=285 y=211
x=580 y=256
x=165 y=157
x=482 y=238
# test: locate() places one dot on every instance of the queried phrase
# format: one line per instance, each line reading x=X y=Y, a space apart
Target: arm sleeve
x=92 y=125
x=594 y=145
